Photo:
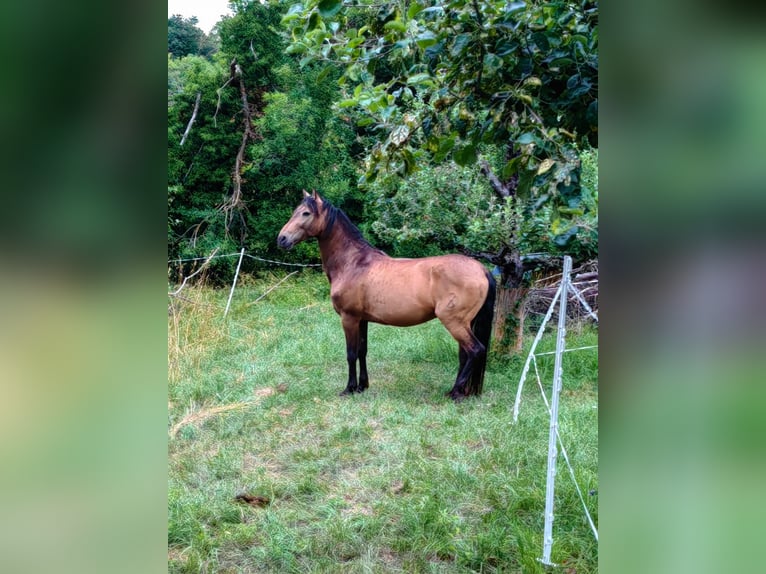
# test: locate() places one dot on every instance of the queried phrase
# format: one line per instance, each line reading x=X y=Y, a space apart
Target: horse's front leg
x=351 y=329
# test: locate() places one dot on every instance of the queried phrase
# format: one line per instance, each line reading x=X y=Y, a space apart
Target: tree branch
x=218 y=103
x=235 y=202
x=191 y=121
x=247 y=134
x=498 y=186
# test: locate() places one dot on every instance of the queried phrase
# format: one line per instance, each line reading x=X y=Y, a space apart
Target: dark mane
x=336 y=216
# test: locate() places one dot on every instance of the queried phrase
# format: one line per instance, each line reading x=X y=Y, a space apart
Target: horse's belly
x=400 y=309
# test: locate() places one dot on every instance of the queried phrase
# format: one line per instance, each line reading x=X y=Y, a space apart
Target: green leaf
x=294 y=9
x=425 y=39
x=295 y=49
x=506 y=46
x=571 y=210
x=514 y=7
x=413 y=10
x=461 y=41
x=465 y=155
x=524 y=187
x=526 y=138
x=353 y=43
x=313 y=21
x=419 y=79
x=347 y=103
x=511 y=168
x=445 y=147
x=579 y=39
x=541 y=40
x=409 y=161
x=492 y=63
x=323 y=74
x=397 y=25
x=533 y=81
x=561 y=240
x=435 y=50
x=329 y=8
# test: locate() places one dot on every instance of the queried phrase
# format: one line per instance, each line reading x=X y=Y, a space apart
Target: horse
x=366 y=285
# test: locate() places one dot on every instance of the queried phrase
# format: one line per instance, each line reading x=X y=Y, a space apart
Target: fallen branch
x=204 y=414
x=585 y=281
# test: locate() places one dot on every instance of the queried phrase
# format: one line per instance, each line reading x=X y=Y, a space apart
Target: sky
x=208 y=12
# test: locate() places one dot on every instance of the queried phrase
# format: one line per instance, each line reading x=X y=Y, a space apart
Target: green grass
x=398 y=479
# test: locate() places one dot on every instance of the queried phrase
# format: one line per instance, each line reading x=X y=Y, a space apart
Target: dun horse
x=368 y=285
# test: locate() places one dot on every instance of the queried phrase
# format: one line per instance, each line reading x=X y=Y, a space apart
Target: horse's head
x=308 y=220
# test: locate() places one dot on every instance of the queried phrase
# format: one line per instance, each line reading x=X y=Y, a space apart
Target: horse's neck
x=339 y=251
x=334 y=254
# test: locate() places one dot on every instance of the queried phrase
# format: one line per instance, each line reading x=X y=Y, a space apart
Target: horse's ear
x=314 y=194
x=305 y=193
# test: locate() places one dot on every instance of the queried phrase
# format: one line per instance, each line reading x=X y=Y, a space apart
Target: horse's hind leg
x=462 y=359
x=363 y=380
x=459 y=390
x=470 y=349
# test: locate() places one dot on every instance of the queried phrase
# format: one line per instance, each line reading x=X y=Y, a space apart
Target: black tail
x=481 y=326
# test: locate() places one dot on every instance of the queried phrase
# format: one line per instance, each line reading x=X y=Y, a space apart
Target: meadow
x=269 y=470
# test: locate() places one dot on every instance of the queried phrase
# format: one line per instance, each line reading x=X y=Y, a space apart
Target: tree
x=184 y=37
x=463 y=79
x=263 y=131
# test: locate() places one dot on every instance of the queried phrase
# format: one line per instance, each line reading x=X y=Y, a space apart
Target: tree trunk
x=509 y=318
x=509 y=302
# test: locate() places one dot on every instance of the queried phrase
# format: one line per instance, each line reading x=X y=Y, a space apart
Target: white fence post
x=556 y=390
x=234 y=284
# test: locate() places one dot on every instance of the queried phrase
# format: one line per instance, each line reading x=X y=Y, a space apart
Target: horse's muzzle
x=284 y=242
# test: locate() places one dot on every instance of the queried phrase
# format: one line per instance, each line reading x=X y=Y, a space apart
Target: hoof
x=345 y=393
x=457 y=396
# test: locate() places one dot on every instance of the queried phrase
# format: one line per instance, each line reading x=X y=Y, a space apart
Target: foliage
x=199 y=171
x=185 y=38
x=462 y=74
x=302 y=146
x=298 y=141
x=398 y=479
x=446 y=207
x=252 y=37
x=391 y=110
x=433 y=211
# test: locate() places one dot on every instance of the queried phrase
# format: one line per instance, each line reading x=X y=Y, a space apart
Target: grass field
x=398 y=479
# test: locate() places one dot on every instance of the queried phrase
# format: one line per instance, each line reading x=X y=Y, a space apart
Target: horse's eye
x=306 y=213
